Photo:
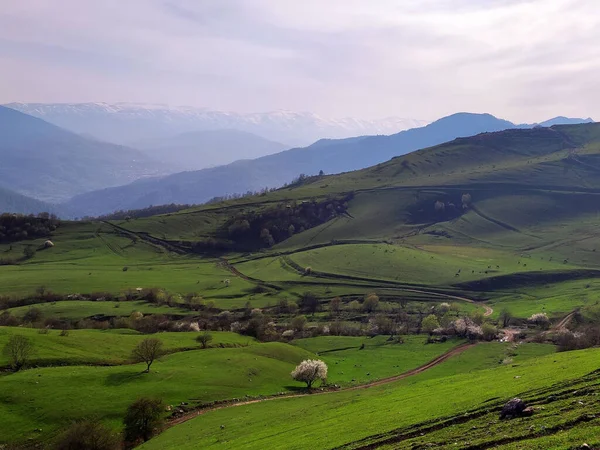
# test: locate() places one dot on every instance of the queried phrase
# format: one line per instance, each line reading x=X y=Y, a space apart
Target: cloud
x=523 y=60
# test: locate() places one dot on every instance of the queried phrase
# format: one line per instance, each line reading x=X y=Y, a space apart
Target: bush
x=309 y=371
x=18 y=350
x=204 y=339
x=430 y=323
x=142 y=419
x=370 y=303
x=88 y=435
x=540 y=319
x=298 y=323
x=489 y=331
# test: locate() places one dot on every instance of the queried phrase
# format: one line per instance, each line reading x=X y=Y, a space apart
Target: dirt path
x=562 y=325
x=434 y=362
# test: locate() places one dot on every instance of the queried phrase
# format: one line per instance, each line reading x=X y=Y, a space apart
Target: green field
x=80 y=309
x=331 y=420
x=105 y=347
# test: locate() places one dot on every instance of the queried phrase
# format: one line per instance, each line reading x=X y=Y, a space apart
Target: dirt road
x=434 y=362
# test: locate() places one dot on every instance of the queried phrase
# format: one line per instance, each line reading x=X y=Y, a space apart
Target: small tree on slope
x=309 y=371
x=147 y=351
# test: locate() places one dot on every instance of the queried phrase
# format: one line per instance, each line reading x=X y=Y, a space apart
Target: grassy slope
x=105 y=347
x=50 y=398
x=335 y=419
x=349 y=365
x=79 y=309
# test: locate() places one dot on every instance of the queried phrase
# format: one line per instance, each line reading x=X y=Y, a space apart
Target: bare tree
x=147 y=351
x=18 y=350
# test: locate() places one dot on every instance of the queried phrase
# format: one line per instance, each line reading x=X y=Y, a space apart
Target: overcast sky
x=520 y=60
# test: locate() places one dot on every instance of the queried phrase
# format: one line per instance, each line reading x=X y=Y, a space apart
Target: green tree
x=371 y=303
x=298 y=323
x=142 y=419
x=430 y=323
x=505 y=318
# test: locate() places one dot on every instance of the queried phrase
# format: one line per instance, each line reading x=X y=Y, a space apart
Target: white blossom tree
x=309 y=371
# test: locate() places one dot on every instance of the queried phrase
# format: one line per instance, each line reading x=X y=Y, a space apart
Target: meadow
x=336 y=419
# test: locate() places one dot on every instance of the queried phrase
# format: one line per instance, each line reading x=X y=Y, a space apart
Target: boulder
x=513 y=408
x=527 y=412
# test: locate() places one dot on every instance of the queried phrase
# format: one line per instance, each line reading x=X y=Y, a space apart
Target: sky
x=524 y=61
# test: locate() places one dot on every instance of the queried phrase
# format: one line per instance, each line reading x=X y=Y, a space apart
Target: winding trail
x=562 y=325
x=434 y=362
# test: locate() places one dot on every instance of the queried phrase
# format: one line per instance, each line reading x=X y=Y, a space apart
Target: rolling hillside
x=46 y=162
x=331 y=156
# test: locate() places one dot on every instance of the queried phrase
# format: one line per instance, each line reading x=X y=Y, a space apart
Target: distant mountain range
x=331 y=156
x=43 y=161
x=85 y=176
x=201 y=149
x=126 y=123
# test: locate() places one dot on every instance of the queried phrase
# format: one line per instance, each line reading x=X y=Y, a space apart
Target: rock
x=513 y=408
x=527 y=412
x=222 y=427
x=585 y=446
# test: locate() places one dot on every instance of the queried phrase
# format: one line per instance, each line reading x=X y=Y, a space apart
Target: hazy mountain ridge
x=201 y=149
x=43 y=161
x=331 y=156
x=126 y=123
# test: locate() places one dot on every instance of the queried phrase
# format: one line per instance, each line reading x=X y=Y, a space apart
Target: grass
x=105 y=347
x=336 y=419
x=91 y=257
x=50 y=398
x=350 y=365
x=80 y=309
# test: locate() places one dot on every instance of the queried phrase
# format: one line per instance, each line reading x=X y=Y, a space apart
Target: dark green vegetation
x=402 y=264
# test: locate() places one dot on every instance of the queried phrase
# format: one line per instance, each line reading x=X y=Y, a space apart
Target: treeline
x=18 y=227
x=141 y=213
x=264 y=228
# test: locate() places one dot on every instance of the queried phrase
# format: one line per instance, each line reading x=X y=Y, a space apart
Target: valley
x=435 y=286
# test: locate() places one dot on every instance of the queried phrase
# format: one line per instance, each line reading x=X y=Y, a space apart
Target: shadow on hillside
x=117 y=379
x=296 y=389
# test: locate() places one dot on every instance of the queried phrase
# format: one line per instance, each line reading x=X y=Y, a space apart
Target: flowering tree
x=540 y=319
x=309 y=371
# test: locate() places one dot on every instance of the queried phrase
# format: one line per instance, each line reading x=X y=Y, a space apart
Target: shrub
x=204 y=339
x=142 y=419
x=298 y=323
x=89 y=435
x=18 y=350
x=309 y=371
x=540 y=319
x=489 y=331
x=370 y=303
x=430 y=323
